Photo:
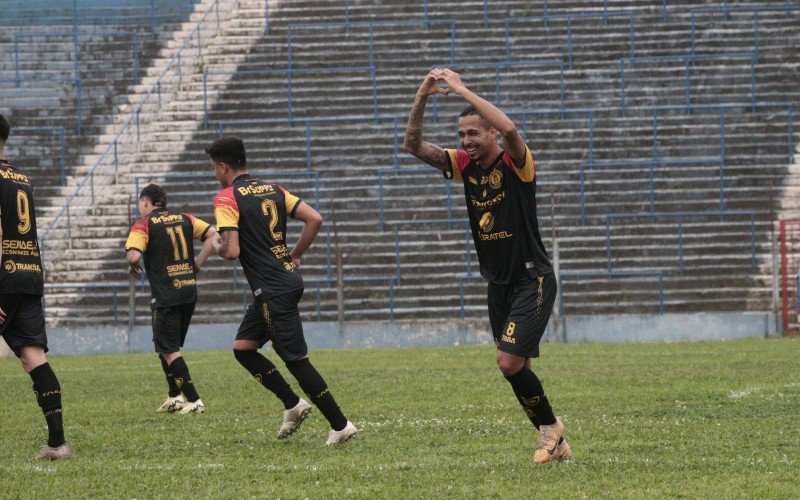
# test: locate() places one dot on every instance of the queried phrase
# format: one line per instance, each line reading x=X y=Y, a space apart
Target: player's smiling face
x=478 y=140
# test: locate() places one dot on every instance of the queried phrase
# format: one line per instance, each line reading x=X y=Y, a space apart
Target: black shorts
x=170 y=325
x=519 y=313
x=276 y=320
x=24 y=323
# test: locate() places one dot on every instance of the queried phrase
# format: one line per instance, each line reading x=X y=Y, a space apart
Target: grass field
x=701 y=419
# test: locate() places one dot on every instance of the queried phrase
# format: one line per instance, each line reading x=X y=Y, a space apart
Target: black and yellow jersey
x=258 y=211
x=21 y=267
x=501 y=202
x=167 y=243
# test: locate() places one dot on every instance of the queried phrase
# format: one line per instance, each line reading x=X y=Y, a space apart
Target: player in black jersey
x=167 y=243
x=21 y=291
x=251 y=217
x=500 y=190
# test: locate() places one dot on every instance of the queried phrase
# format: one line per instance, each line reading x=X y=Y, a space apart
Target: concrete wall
x=323 y=335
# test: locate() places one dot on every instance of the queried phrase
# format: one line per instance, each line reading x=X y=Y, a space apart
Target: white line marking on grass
x=210 y=466
x=45 y=470
x=741 y=394
x=147 y=467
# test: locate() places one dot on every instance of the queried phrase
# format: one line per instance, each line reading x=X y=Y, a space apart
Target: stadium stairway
x=61 y=80
x=349 y=105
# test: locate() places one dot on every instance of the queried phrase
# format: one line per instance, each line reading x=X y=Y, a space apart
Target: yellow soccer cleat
x=548 y=441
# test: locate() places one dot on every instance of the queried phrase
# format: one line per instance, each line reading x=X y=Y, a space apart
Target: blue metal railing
x=383 y=173
x=651 y=165
x=149 y=13
x=309 y=122
x=508 y=65
x=59 y=131
x=570 y=18
x=654 y=273
x=680 y=217
x=689 y=61
x=75 y=38
x=722 y=109
x=290 y=85
x=132 y=123
x=78 y=95
x=398 y=225
x=115 y=287
x=754 y=9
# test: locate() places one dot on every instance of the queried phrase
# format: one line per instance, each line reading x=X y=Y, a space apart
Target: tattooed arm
x=429 y=153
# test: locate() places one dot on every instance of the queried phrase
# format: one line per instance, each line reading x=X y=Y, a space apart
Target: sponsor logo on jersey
x=487 y=222
x=17 y=247
x=488 y=203
x=11 y=267
x=178 y=284
x=495 y=236
x=496 y=179
x=262 y=189
x=178 y=269
x=14 y=176
x=163 y=219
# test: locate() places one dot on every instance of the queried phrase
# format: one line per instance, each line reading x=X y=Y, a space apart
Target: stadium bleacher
x=660 y=127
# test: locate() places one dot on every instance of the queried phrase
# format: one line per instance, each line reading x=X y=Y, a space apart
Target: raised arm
x=312 y=221
x=431 y=154
x=512 y=141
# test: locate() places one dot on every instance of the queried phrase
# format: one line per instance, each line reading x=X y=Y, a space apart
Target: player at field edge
x=171 y=266
x=251 y=217
x=21 y=291
x=500 y=191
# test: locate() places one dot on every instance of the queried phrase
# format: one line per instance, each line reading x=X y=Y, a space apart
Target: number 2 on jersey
x=270 y=209
x=179 y=248
x=23 y=212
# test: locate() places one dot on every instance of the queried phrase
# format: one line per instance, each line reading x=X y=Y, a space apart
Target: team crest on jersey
x=496 y=179
x=10 y=266
x=487 y=222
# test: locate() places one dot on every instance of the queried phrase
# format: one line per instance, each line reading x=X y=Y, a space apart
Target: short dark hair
x=228 y=150
x=5 y=130
x=156 y=194
x=470 y=111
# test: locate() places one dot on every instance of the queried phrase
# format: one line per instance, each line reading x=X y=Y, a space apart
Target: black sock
x=265 y=372
x=174 y=390
x=314 y=386
x=48 y=395
x=182 y=379
x=530 y=395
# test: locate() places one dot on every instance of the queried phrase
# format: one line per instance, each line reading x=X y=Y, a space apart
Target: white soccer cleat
x=193 y=407
x=342 y=436
x=293 y=418
x=171 y=405
x=50 y=453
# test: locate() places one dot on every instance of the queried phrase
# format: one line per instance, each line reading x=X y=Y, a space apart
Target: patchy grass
x=697 y=419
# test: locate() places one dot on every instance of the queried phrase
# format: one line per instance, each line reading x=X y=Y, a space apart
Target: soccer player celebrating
x=500 y=190
x=171 y=267
x=251 y=217
x=21 y=291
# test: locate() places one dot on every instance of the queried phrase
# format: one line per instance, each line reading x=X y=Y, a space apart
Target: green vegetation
x=696 y=419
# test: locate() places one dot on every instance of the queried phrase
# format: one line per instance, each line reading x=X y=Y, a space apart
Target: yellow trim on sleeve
x=226 y=217
x=528 y=171
x=454 y=173
x=199 y=228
